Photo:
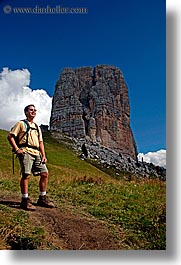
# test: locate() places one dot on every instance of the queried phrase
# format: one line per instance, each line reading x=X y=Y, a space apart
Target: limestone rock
x=94 y=103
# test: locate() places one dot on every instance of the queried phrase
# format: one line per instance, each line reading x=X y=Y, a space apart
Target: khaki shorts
x=31 y=164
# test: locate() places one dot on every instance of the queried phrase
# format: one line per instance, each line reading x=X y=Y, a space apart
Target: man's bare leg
x=25 y=203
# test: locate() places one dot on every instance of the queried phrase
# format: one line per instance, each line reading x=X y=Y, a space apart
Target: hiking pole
x=13 y=162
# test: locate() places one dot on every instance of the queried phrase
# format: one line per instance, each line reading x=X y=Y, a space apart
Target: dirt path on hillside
x=67 y=230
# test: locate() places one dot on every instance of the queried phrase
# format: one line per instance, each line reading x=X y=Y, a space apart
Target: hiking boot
x=44 y=202
x=27 y=205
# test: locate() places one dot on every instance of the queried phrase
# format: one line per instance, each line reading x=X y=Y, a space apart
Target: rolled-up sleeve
x=16 y=129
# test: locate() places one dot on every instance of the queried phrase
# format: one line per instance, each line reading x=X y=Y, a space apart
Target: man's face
x=31 y=113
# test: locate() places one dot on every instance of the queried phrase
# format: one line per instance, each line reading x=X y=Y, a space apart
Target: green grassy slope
x=137 y=207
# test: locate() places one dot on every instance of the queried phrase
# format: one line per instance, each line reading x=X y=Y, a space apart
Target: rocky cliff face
x=94 y=104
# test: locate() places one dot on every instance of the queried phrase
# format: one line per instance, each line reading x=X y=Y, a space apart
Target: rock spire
x=94 y=104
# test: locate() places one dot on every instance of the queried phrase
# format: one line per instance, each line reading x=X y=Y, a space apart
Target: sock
x=42 y=193
x=25 y=195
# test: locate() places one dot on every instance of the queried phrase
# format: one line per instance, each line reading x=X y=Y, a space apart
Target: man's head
x=30 y=111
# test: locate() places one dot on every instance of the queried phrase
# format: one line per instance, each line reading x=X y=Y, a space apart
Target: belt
x=30 y=146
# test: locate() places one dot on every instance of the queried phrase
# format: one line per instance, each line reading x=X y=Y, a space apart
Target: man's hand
x=19 y=151
x=43 y=160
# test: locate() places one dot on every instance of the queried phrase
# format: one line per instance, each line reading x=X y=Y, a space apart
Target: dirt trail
x=67 y=230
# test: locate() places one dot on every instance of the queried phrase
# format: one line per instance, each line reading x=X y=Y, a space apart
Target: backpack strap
x=27 y=126
x=37 y=128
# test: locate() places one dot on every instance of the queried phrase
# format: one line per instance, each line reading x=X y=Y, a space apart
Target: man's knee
x=44 y=174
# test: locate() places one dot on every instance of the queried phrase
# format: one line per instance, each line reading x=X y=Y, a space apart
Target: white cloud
x=15 y=94
x=157 y=158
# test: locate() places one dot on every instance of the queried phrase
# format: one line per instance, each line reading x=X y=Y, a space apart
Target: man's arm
x=13 y=144
x=42 y=151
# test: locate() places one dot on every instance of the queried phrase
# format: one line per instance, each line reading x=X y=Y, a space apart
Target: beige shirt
x=34 y=138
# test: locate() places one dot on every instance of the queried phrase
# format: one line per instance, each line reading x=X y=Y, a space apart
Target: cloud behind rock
x=157 y=158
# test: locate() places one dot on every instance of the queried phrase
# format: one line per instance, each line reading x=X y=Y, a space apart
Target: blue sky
x=128 y=34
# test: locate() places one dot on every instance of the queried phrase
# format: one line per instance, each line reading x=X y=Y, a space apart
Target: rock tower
x=94 y=104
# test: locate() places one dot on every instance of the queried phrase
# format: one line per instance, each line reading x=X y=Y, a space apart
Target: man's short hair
x=27 y=107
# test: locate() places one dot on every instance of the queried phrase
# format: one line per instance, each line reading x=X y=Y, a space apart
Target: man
x=31 y=153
